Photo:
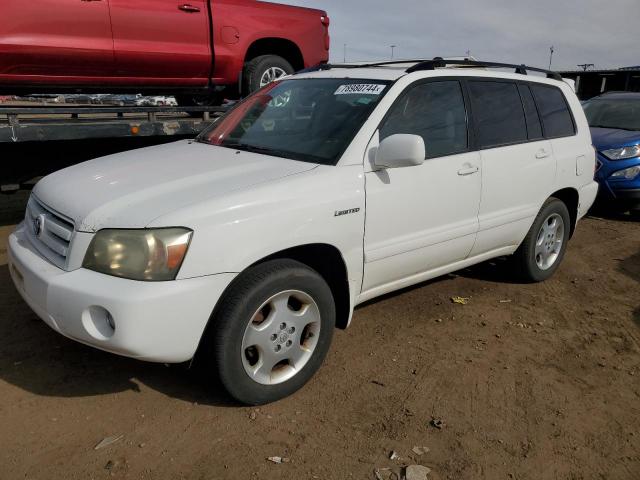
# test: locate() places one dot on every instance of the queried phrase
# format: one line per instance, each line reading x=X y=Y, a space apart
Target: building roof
x=602 y=71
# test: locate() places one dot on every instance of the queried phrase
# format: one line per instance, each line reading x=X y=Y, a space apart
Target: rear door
x=518 y=166
x=162 y=41
x=55 y=41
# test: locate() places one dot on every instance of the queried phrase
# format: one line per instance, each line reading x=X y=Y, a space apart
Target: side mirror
x=400 y=150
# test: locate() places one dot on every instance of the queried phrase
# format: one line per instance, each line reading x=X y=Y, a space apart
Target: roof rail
x=437 y=62
x=442 y=63
x=329 y=66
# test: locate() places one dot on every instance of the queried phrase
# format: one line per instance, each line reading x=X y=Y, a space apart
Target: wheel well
x=277 y=46
x=570 y=198
x=327 y=261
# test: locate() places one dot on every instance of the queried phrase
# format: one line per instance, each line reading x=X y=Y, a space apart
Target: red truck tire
x=263 y=70
x=257 y=73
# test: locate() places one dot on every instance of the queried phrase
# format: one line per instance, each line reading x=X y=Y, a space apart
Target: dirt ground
x=530 y=381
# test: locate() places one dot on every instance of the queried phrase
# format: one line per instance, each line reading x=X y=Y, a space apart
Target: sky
x=601 y=32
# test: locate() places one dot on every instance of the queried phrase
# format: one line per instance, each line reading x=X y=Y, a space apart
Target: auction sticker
x=362 y=88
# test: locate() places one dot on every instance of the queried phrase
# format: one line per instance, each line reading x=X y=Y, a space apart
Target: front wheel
x=272 y=332
x=543 y=248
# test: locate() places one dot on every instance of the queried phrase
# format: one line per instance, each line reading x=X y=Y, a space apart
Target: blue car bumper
x=623 y=192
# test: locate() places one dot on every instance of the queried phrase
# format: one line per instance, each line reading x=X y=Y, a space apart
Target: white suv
x=321 y=191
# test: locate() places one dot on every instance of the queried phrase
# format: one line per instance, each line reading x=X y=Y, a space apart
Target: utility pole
x=585 y=66
x=551 y=50
x=345 y=53
x=393 y=47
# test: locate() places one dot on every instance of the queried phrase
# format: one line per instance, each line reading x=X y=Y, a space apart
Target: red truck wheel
x=263 y=70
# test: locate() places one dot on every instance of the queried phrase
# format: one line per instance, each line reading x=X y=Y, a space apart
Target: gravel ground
x=529 y=381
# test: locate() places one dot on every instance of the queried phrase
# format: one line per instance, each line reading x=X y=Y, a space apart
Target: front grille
x=50 y=232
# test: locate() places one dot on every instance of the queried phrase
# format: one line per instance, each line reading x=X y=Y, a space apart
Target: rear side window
x=553 y=108
x=534 y=127
x=498 y=113
x=436 y=112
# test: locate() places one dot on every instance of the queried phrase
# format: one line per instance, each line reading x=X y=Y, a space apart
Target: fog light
x=99 y=323
x=111 y=322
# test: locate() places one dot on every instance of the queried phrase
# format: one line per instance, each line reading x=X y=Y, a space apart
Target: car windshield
x=614 y=113
x=312 y=120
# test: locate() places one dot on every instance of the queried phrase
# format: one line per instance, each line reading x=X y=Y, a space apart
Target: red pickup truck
x=199 y=50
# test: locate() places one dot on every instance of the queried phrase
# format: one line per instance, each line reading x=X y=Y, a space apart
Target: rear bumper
x=154 y=321
x=587 y=197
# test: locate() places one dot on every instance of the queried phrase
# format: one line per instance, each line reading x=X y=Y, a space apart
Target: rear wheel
x=543 y=248
x=273 y=331
x=263 y=70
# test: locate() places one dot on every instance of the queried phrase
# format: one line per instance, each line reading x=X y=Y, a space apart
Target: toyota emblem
x=38 y=223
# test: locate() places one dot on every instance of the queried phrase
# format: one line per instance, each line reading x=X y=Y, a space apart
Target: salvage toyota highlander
x=247 y=247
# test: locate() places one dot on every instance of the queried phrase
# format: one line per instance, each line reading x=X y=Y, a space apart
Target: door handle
x=542 y=154
x=87 y=1
x=189 y=8
x=468 y=170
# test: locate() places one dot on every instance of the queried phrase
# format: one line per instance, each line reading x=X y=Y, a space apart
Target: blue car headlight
x=622 y=153
x=626 y=174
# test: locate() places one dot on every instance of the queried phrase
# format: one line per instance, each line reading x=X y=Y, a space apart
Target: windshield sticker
x=360 y=88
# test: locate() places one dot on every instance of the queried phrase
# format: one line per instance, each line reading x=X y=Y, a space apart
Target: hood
x=131 y=189
x=604 y=138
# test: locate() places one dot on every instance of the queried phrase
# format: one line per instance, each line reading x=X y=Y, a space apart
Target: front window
x=436 y=112
x=618 y=113
x=312 y=120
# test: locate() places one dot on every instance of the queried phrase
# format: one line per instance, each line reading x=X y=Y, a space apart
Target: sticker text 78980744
x=360 y=88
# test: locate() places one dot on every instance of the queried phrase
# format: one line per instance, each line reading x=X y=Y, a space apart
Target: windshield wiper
x=255 y=149
x=272 y=151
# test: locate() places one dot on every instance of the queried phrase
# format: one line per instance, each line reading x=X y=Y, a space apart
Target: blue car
x=614 y=119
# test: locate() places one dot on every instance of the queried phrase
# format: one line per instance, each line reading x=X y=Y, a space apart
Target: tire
x=242 y=354
x=540 y=254
x=256 y=72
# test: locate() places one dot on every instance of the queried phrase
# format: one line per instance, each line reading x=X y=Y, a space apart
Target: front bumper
x=624 y=193
x=154 y=321
x=628 y=197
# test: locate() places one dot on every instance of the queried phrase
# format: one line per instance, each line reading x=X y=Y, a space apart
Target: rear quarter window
x=556 y=117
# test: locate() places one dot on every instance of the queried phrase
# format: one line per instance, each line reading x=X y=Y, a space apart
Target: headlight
x=151 y=255
x=622 y=153
x=626 y=174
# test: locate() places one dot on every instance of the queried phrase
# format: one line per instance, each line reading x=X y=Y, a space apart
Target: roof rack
x=442 y=63
x=438 y=62
x=329 y=66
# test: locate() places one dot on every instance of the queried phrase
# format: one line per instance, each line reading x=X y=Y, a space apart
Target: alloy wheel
x=281 y=337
